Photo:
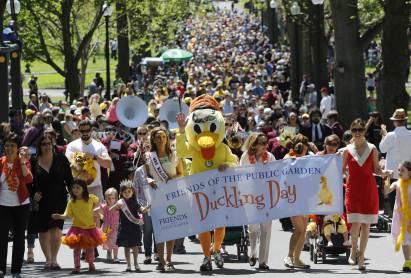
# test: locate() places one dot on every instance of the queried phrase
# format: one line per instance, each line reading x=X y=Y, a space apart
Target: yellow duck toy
x=325 y=195
x=200 y=138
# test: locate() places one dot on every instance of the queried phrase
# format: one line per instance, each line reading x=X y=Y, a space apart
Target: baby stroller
x=238 y=236
x=319 y=248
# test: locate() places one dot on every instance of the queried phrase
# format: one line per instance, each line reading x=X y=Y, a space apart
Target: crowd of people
x=250 y=80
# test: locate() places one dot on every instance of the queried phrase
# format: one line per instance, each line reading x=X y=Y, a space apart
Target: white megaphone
x=169 y=111
x=132 y=111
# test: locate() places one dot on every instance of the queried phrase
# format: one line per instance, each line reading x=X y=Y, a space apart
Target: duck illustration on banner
x=325 y=195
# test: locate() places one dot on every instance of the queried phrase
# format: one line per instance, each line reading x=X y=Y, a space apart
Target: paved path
x=382 y=262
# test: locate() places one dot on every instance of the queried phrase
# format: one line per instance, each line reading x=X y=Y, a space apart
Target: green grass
x=48 y=78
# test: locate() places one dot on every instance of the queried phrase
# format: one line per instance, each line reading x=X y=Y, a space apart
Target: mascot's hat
x=203 y=102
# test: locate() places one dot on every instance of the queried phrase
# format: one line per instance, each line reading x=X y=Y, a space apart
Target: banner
x=246 y=195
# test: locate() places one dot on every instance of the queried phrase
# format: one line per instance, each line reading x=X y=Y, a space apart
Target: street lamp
x=13 y=8
x=107 y=12
x=295 y=9
x=273 y=4
x=262 y=2
x=317 y=2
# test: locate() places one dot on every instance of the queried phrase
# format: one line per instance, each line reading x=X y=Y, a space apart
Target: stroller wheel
x=324 y=257
x=311 y=252
x=347 y=254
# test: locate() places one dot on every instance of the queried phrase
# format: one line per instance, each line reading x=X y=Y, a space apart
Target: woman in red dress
x=360 y=161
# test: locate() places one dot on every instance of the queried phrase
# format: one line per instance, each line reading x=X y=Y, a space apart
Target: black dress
x=53 y=186
x=129 y=234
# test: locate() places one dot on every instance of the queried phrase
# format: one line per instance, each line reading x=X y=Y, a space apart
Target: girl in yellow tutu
x=83 y=234
x=401 y=220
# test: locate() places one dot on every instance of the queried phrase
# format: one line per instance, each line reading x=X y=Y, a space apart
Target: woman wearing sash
x=255 y=152
x=162 y=165
x=360 y=161
x=300 y=148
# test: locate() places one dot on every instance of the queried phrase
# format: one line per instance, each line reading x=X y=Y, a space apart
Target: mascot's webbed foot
x=206 y=265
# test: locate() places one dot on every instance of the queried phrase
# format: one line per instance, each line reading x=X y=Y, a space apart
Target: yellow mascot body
x=201 y=140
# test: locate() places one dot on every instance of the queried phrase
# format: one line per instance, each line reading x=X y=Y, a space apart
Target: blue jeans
x=148 y=238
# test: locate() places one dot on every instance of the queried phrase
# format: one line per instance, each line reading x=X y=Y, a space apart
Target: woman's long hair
x=250 y=142
x=152 y=140
x=42 y=137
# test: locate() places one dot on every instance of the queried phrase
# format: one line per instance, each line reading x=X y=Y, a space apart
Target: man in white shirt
x=325 y=104
x=94 y=149
x=397 y=143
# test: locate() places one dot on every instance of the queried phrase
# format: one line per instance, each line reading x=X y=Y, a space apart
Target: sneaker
x=147 y=260
x=288 y=262
x=218 y=259
x=330 y=244
x=156 y=258
x=170 y=267
x=116 y=261
x=128 y=269
x=206 y=265
x=160 y=267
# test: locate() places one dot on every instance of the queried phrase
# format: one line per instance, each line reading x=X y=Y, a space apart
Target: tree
x=349 y=58
x=51 y=30
x=123 y=41
x=393 y=76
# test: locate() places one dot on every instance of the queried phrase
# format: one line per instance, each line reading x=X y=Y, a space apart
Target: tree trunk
x=83 y=71
x=350 y=68
x=123 y=41
x=318 y=48
x=72 y=82
x=392 y=93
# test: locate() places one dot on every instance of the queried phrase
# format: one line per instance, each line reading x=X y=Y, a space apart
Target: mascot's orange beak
x=206 y=142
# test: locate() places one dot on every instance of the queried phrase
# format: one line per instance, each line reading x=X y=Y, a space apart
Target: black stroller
x=238 y=236
x=319 y=248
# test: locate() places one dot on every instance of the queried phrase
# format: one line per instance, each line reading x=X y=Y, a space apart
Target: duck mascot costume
x=200 y=138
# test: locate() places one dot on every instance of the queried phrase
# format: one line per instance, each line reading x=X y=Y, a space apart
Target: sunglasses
x=261 y=142
x=44 y=144
x=85 y=130
x=332 y=144
x=142 y=133
x=10 y=145
x=354 y=130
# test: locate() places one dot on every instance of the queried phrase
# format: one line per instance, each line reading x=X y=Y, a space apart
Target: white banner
x=246 y=195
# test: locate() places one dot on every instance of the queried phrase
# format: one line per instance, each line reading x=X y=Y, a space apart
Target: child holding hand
x=401 y=228
x=129 y=232
x=83 y=234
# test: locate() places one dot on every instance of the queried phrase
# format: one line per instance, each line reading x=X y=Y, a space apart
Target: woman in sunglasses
x=52 y=177
x=360 y=162
x=255 y=152
x=331 y=145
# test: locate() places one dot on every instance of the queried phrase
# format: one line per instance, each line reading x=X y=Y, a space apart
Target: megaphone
x=132 y=111
x=169 y=111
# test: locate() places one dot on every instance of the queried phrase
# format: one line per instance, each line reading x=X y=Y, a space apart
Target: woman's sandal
x=361 y=263
x=299 y=264
x=55 y=266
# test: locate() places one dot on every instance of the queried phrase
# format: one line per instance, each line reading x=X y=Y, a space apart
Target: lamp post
x=107 y=12
x=13 y=8
x=295 y=11
x=262 y=14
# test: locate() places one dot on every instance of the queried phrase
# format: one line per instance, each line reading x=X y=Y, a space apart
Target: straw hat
x=399 y=115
